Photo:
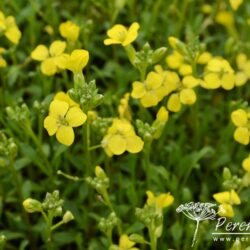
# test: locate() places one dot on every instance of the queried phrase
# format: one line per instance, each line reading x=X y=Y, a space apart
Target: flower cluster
x=64 y=114
x=121 y=137
x=227 y=199
x=55 y=59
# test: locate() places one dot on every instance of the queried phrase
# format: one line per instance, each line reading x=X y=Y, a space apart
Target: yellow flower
x=53 y=59
x=219 y=73
x=227 y=199
x=77 y=60
x=162 y=115
x=69 y=30
x=126 y=244
x=156 y=86
x=119 y=34
x=246 y=164
x=121 y=137
x=9 y=28
x=61 y=119
x=161 y=201
x=225 y=18
x=235 y=4
x=240 y=119
x=185 y=95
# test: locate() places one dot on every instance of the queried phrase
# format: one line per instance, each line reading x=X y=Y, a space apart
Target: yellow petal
x=164 y=200
x=185 y=69
x=204 y=58
x=190 y=82
x=241 y=60
x=117 y=144
x=150 y=99
x=69 y=30
x=117 y=33
x=50 y=124
x=78 y=60
x=153 y=80
x=175 y=60
x=241 y=135
x=40 y=53
x=239 y=117
x=75 y=117
x=222 y=197
x=65 y=135
x=227 y=81
x=125 y=243
x=174 y=103
x=13 y=34
x=61 y=60
x=246 y=164
x=57 y=48
x=151 y=198
x=134 y=144
x=187 y=96
x=235 y=4
x=211 y=81
x=234 y=198
x=109 y=41
x=138 y=90
x=240 y=78
x=131 y=34
x=226 y=210
x=58 y=108
x=61 y=96
x=48 y=67
x=162 y=115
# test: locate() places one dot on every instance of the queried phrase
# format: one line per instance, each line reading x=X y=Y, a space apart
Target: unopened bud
x=68 y=216
x=31 y=205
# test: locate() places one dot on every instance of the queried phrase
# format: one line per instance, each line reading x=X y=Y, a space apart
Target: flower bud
x=31 y=205
x=158 y=55
x=68 y=216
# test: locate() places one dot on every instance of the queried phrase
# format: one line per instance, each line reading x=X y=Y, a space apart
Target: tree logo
x=197 y=211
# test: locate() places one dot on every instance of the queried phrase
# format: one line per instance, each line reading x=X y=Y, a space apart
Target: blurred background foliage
x=197 y=143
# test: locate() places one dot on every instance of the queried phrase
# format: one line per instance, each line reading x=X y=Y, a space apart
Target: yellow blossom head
x=227 y=197
x=161 y=201
x=225 y=18
x=69 y=30
x=77 y=60
x=119 y=34
x=61 y=120
x=9 y=28
x=226 y=210
x=121 y=137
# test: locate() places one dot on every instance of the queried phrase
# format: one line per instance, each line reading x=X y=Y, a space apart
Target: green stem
x=86 y=144
x=48 y=233
x=57 y=225
x=147 y=165
x=95 y=147
x=153 y=239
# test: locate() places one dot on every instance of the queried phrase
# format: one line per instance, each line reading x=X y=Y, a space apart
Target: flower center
x=62 y=121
